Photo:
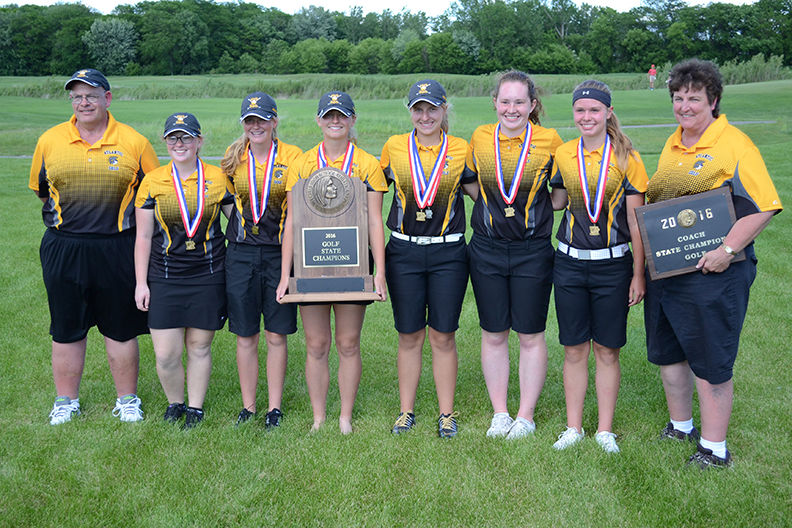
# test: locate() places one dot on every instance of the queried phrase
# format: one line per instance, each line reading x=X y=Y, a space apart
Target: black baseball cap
x=183 y=122
x=427 y=90
x=90 y=77
x=260 y=105
x=336 y=101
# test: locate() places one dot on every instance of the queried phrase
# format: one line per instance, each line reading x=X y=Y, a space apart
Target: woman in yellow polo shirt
x=336 y=118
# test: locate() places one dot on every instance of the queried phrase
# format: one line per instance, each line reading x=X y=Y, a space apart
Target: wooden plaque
x=676 y=233
x=329 y=215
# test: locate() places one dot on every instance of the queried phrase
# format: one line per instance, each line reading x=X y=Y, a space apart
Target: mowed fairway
x=97 y=471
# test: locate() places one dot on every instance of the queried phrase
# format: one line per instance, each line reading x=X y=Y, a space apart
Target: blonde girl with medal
x=510 y=254
x=426 y=259
x=179 y=265
x=599 y=180
x=336 y=119
x=256 y=164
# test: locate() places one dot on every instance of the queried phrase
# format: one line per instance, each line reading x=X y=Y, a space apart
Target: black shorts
x=591 y=299
x=698 y=318
x=177 y=304
x=426 y=279
x=90 y=280
x=511 y=280
x=252 y=277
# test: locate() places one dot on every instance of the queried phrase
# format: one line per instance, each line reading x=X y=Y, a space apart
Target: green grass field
x=96 y=471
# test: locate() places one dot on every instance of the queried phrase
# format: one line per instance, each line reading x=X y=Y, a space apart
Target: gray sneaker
x=63 y=410
x=500 y=425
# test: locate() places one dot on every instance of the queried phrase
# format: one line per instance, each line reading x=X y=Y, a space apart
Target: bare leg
x=316 y=324
x=533 y=371
x=409 y=362
x=678 y=384
x=715 y=402
x=248 y=368
x=576 y=382
x=277 y=356
x=608 y=379
x=199 y=364
x=68 y=361
x=124 y=360
x=495 y=365
x=348 y=325
x=168 y=347
x=444 y=368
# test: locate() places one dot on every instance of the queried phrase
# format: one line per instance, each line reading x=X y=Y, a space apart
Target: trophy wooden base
x=331 y=289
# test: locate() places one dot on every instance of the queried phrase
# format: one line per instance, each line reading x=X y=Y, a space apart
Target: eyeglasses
x=186 y=140
x=78 y=99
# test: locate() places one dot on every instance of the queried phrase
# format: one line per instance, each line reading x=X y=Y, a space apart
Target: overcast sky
x=430 y=8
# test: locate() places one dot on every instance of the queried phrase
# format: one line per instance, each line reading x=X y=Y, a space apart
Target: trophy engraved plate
x=676 y=233
x=329 y=215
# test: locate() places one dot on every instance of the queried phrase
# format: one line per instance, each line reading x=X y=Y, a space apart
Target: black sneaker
x=447 y=425
x=704 y=458
x=174 y=412
x=244 y=416
x=404 y=423
x=675 y=434
x=192 y=417
x=272 y=418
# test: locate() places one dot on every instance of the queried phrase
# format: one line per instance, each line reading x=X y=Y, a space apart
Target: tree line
x=170 y=37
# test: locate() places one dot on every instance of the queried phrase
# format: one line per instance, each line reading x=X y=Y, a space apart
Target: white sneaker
x=520 y=429
x=63 y=410
x=607 y=441
x=129 y=410
x=500 y=425
x=568 y=438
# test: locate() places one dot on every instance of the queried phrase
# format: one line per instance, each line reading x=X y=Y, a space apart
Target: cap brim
x=66 y=86
x=433 y=102
x=264 y=117
x=179 y=129
x=344 y=111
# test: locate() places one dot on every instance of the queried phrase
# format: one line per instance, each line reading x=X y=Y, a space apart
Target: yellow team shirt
x=170 y=256
x=241 y=226
x=576 y=227
x=447 y=212
x=364 y=167
x=723 y=156
x=533 y=212
x=90 y=189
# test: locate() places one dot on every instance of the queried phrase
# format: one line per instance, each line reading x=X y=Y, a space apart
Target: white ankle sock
x=718 y=448
x=685 y=426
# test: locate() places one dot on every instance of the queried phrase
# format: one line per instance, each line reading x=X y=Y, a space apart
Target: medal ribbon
x=602 y=180
x=425 y=191
x=518 y=170
x=190 y=226
x=256 y=207
x=321 y=158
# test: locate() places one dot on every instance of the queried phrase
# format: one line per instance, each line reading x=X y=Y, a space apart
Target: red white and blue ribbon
x=257 y=206
x=346 y=168
x=602 y=180
x=426 y=190
x=518 y=170
x=190 y=225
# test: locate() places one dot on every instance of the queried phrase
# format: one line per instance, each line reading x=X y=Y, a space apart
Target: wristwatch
x=728 y=250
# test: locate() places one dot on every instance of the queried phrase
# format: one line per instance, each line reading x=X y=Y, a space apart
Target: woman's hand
x=637 y=288
x=142 y=297
x=280 y=291
x=380 y=286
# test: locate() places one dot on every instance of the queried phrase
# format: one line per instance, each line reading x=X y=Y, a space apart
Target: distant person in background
x=510 y=255
x=652 y=76
x=256 y=164
x=179 y=259
x=426 y=261
x=599 y=180
x=336 y=118
x=693 y=321
x=87 y=171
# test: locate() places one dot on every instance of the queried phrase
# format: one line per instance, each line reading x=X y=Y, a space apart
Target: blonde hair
x=233 y=156
x=533 y=95
x=622 y=146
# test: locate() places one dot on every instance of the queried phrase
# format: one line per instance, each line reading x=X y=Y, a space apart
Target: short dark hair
x=698 y=74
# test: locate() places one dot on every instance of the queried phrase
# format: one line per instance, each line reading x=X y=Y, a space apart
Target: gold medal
x=190 y=244
x=686 y=218
x=420 y=216
x=594 y=230
x=254 y=230
x=509 y=212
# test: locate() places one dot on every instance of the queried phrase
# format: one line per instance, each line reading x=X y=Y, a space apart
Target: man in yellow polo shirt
x=86 y=172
